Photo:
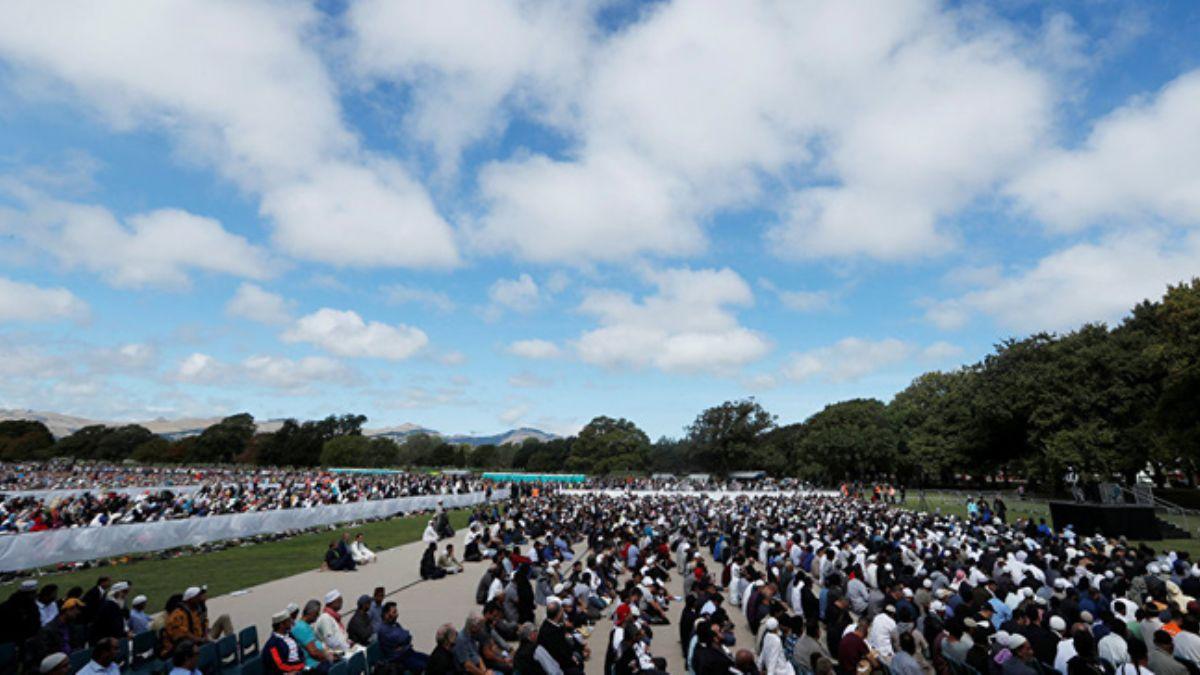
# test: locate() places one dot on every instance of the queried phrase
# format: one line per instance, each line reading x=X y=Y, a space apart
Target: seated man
x=337 y=558
x=359 y=551
x=281 y=654
x=316 y=657
x=448 y=562
x=429 y=566
x=396 y=643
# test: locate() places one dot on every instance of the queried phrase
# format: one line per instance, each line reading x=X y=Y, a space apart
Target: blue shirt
x=304 y=635
x=395 y=642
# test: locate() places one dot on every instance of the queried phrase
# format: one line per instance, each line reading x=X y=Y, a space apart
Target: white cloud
x=941 y=352
x=257 y=304
x=519 y=295
x=514 y=414
x=201 y=368
x=847 y=360
x=285 y=373
x=156 y=248
x=801 y=300
x=685 y=326
x=237 y=85
x=1098 y=281
x=20 y=301
x=528 y=380
x=344 y=333
x=452 y=358
x=1142 y=161
x=535 y=349
x=470 y=57
x=402 y=294
x=898 y=115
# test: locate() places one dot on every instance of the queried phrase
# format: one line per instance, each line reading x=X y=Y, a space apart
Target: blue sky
x=479 y=215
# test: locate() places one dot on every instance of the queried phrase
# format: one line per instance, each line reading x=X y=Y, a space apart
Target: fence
x=36 y=549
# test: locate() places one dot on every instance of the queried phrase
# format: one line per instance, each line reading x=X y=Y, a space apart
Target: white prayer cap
x=51 y=662
x=937 y=606
x=29 y=585
x=119 y=586
x=332 y=596
x=1016 y=641
x=279 y=617
x=772 y=623
x=191 y=592
x=139 y=600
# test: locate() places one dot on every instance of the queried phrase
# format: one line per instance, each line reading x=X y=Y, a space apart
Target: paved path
x=425 y=605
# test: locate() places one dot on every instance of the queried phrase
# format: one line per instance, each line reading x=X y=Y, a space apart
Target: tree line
x=1109 y=401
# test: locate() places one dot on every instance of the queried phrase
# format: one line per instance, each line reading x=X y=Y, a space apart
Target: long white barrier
x=35 y=549
x=59 y=493
x=708 y=494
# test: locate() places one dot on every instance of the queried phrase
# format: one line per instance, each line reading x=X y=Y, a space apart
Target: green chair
x=374 y=653
x=247 y=642
x=80 y=658
x=252 y=665
x=357 y=664
x=340 y=668
x=227 y=652
x=207 y=661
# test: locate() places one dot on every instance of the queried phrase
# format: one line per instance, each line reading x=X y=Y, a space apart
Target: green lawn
x=243 y=566
x=955 y=504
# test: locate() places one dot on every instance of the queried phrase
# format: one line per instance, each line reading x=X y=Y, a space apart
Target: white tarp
x=59 y=493
x=35 y=549
x=710 y=494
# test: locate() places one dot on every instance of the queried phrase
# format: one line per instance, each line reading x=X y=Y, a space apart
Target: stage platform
x=1135 y=521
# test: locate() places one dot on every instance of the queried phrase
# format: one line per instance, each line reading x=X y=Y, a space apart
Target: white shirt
x=1112 y=648
x=772 y=660
x=879 y=637
x=1066 y=652
x=495 y=590
x=329 y=632
x=47 y=611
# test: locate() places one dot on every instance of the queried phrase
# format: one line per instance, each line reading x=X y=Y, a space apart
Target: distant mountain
x=65 y=425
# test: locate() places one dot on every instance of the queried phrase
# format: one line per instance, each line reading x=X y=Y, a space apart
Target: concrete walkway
x=425 y=605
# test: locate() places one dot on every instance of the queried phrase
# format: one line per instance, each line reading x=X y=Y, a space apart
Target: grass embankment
x=242 y=566
x=956 y=505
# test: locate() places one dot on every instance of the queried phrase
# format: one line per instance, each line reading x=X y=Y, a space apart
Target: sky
x=482 y=214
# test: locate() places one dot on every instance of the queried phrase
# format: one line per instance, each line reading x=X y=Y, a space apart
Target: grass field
x=244 y=566
x=956 y=505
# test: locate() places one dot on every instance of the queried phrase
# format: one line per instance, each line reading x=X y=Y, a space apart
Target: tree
x=850 y=440
x=104 y=443
x=360 y=451
x=935 y=426
x=607 y=445
x=731 y=436
x=224 y=440
x=23 y=439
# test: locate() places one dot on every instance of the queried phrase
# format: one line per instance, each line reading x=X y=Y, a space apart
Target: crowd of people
x=823 y=584
x=225 y=491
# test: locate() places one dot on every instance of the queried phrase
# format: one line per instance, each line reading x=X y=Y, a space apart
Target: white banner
x=709 y=494
x=36 y=549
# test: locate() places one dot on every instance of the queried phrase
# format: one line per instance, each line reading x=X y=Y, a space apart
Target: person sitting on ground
x=441 y=660
x=468 y=647
x=316 y=657
x=281 y=653
x=429 y=567
x=447 y=562
x=104 y=659
x=555 y=636
x=396 y=643
x=359 y=551
x=337 y=559
x=360 y=629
